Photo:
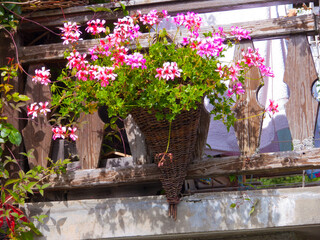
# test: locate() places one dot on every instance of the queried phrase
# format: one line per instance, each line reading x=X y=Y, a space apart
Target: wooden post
x=301 y=109
x=248 y=129
x=8 y=50
x=37 y=134
x=90 y=140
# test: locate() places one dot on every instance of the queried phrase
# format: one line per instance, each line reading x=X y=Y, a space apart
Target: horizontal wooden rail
x=83 y=14
x=277 y=162
x=263 y=29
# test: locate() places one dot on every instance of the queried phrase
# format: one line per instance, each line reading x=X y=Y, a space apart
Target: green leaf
x=5 y=132
x=233 y=205
x=23 y=97
x=10 y=181
x=2 y=11
x=15 y=137
x=41 y=192
x=251 y=211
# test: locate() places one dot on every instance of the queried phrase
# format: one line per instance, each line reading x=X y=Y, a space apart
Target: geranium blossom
x=272 y=108
x=135 y=60
x=191 y=21
x=43 y=108
x=210 y=47
x=125 y=28
x=33 y=110
x=96 y=26
x=70 y=32
x=42 y=76
x=169 y=70
x=104 y=75
x=76 y=60
x=151 y=18
x=237 y=89
x=72 y=134
x=240 y=33
x=59 y=132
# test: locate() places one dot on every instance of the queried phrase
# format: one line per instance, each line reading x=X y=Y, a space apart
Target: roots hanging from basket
x=173 y=164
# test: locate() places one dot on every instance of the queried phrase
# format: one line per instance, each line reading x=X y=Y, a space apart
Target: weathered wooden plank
x=90 y=140
x=8 y=50
x=83 y=14
x=248 y=128
x=37 y=134
x=301 y=109
x=210 y=167
x=271 y=28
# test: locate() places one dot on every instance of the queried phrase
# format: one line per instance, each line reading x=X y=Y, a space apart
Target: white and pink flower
x=169 y=70
x=96 y=26
x=42 y=76
x=70 y=33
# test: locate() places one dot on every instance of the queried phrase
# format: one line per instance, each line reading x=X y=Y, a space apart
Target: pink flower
x=70 y=33
x=33 y=110
x=82 y=75
x=59 y=132
x=104 y=75
x=72 y=134
x=42 y=76
x=170 y=70
x=44 y=108
x=96 y=26
x=125 y=29
x=191 y=21
x=136 y=60
x=151 y=18
x=210 y=47
x=76 y=60
x=236 y=89
x=272 y=108
x=240 y=33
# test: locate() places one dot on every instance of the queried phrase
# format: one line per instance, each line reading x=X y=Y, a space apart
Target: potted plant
x=162 y=84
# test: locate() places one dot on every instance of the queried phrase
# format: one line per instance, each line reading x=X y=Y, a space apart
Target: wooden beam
x=277 y=162
x=82 y=14
x=271 y=28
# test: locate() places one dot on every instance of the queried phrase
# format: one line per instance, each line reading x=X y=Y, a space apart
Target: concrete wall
x=201 y=216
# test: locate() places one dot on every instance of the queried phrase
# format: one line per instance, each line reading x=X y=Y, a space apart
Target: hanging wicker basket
x=173 y=164
x=51 y=4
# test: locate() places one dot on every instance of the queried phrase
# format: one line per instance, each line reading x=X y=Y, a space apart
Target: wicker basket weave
x=52 y=4
x=173 y=165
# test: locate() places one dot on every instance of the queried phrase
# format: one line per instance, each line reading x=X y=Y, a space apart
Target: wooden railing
x=301 y=109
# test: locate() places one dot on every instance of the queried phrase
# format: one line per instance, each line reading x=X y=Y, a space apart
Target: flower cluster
x=96 y=26
x=240 y=33
x=38 y=108
x=42 y=76
x=70 y=33
x=253 y=58
x=61 y=132
x=169 y=70
x=153 y=17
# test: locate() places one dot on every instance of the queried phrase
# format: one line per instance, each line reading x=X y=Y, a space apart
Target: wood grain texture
x=248 y=128
x=83 y=14
x=90 y=140
x=37 y=134
x=7 y=50
x=300 y=74
x=262 y=29
x=211 y=167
